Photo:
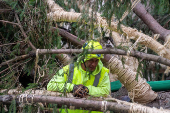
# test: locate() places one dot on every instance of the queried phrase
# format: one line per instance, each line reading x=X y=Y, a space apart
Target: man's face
x=92 y=64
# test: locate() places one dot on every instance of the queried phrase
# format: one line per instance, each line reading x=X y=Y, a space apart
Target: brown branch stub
x=72 y=38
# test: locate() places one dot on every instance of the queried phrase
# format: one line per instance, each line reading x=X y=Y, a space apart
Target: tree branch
x=137 y=54
x=116 y=106
x=140 y=11
x=72 y=38
x=22 y=30
x=79 y=103
x=132 y=33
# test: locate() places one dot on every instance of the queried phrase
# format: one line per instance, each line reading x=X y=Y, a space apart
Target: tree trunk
x=140 y=11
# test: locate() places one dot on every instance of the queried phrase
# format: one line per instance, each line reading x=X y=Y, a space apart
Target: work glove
x=80 y=91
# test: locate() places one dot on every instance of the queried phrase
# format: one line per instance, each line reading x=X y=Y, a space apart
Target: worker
x=87 y=76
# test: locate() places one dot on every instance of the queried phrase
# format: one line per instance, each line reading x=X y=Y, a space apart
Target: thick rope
x=139 y=90
x=138 y=108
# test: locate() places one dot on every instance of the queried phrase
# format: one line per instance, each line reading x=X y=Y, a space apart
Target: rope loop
x=104 y=106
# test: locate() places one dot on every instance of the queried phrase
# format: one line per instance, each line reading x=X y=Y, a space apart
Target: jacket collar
x=95 y=72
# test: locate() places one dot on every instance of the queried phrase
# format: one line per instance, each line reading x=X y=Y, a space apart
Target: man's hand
x=80 y=91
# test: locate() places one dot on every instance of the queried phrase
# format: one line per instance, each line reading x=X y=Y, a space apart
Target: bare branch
x=137 y=54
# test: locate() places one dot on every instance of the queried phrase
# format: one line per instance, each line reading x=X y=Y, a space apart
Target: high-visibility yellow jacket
x=60 y=82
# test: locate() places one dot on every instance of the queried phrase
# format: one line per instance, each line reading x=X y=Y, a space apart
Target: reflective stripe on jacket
x=60 y=82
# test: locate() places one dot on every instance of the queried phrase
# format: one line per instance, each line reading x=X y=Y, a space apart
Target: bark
x=136 y=54
x=141 y=12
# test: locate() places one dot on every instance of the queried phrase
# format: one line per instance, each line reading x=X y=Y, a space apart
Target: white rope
x=32 y=98
x=26 y=95
x=36 y=63
x=104 y=106
x=20 y=98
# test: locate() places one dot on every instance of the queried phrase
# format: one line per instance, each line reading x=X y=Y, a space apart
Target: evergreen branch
x=22 y=30
x=16 y=65
x=8 y=69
